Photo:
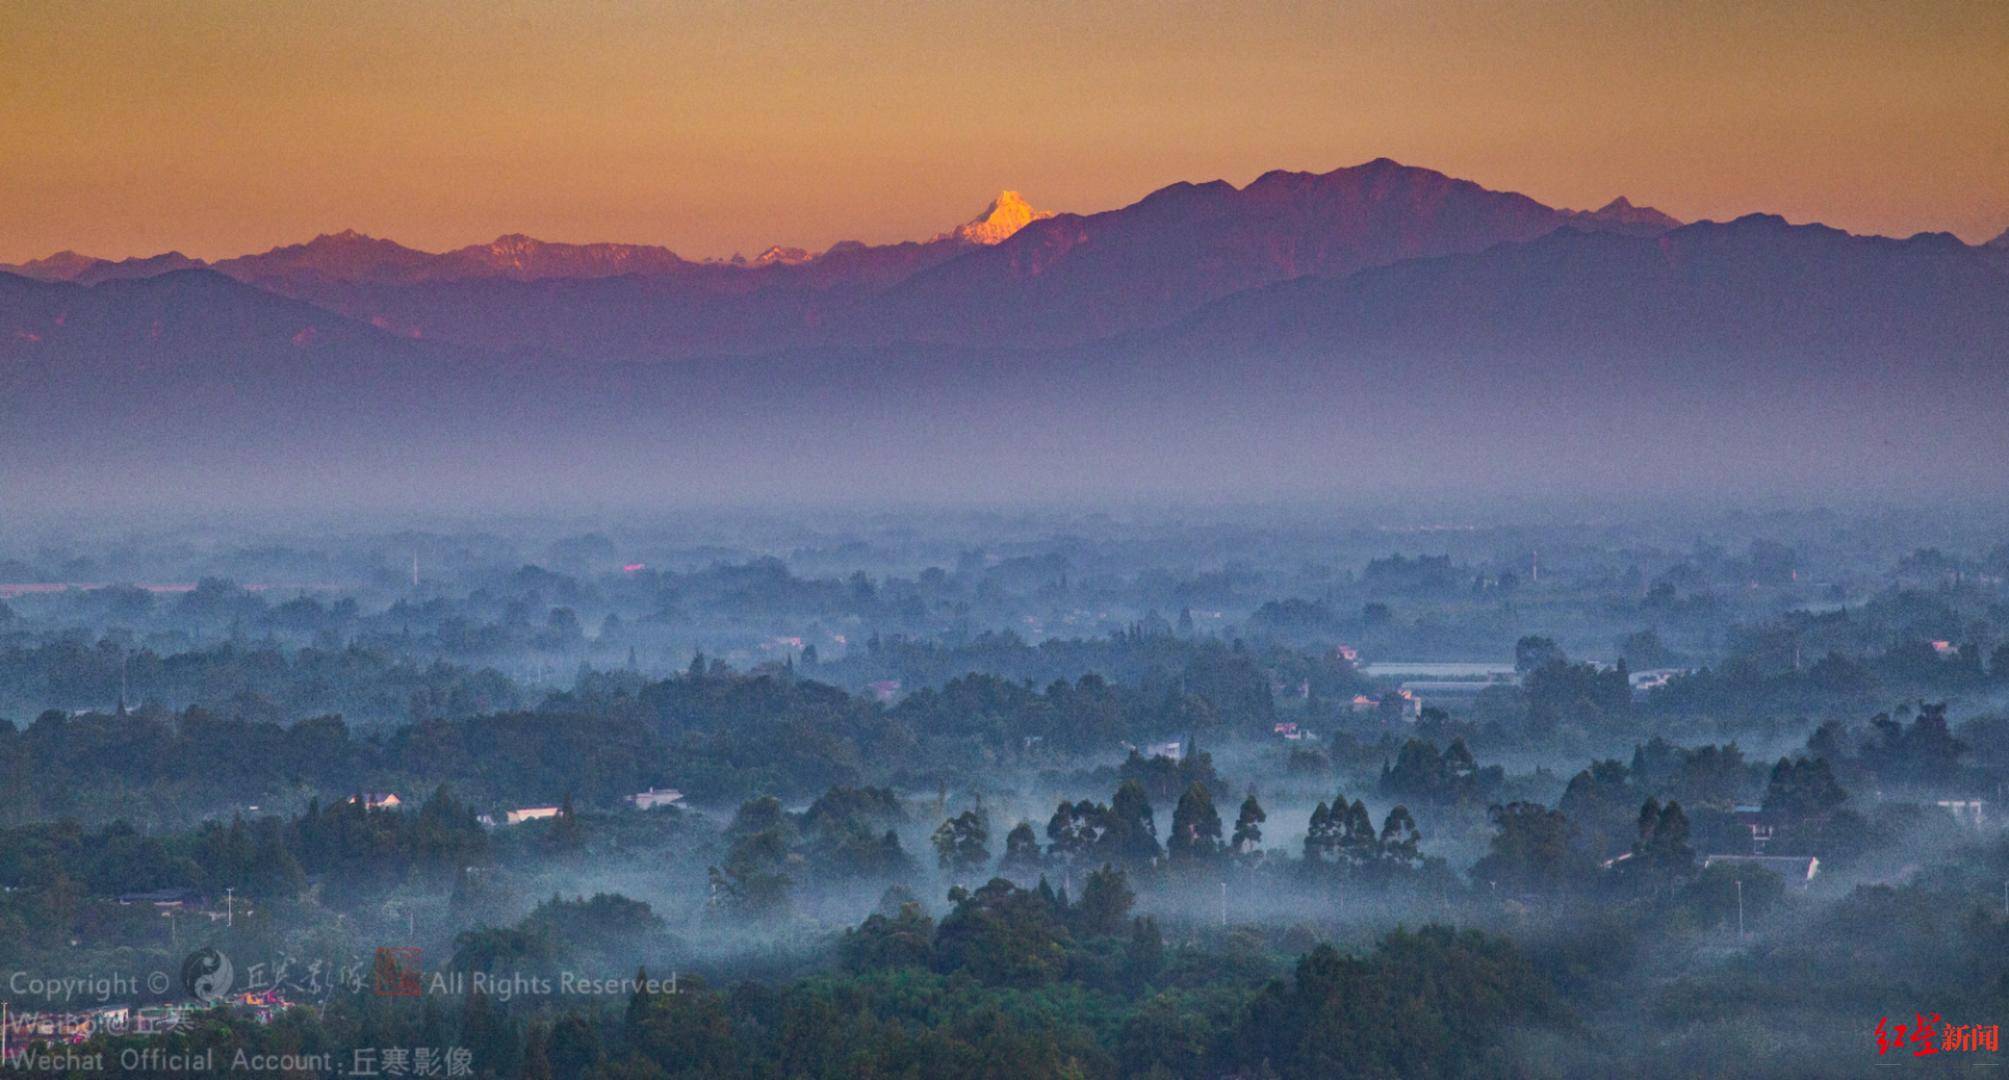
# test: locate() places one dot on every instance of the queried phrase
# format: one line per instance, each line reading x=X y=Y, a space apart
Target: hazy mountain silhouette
x=1075 y=278
x=133 y=384
x=150 y=266
x=1013 y=274
x=70 y=266
x=195 y=317
x=62 y=266
x=1756 y=282
x=1050 y=280
x=1701 y=356
x=1997 y=250
x=604 y=300
x=344 y=256
x=1619 y=215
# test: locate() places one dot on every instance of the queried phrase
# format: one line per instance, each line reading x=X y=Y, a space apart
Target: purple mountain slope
x=1012 y=276
x=1076 y=278
x=1574 y=357
x=1756 y=282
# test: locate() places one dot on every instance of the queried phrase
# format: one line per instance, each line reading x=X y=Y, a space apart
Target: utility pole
x=230 y=906
x=1740 y=909
x=1224 y=902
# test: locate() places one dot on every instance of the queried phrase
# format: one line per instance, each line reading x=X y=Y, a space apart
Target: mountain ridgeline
x=1376 y=327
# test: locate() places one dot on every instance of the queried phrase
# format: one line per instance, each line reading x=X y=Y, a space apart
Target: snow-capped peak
x=1007 y=214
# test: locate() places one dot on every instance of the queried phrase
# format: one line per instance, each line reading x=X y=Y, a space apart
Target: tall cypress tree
x=1249 y=826
x=1196 y=826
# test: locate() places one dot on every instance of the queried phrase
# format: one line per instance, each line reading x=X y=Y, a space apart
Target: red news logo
x=397 y=972
x=1925 y=1036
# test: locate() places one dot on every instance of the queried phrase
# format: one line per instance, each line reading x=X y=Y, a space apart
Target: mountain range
x=1378 y=323
x=1012 y=275
x=353 y=258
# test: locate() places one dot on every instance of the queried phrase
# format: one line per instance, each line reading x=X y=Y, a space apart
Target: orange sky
x=223 y=127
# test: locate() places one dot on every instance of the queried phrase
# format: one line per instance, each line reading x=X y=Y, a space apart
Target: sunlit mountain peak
x=1006 y=215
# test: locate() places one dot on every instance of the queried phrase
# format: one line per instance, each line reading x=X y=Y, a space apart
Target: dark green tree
x=1530 y=852
x=1132 y=835
x=1075 y=830
x=574 y=1048
x=1196 y=828
x=1249 y=827
x=1532 y=653
x=1144 y=955
x=1359 y=845
x=753 y=880
x=962 y=843
x=1803 y=790
x=904 y=939
x=1021 y=856
x=1002 y=935
x=1401 y=842
x=1105 y=902
x=1321 y=836
x=1661 y=856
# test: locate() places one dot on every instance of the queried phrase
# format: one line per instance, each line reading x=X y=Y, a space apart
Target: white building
x=1970 y=812
x=654 y=797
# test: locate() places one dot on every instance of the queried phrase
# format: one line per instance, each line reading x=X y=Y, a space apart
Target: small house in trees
x=1758 y=823
x=1404 y=704
x=654 y=797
